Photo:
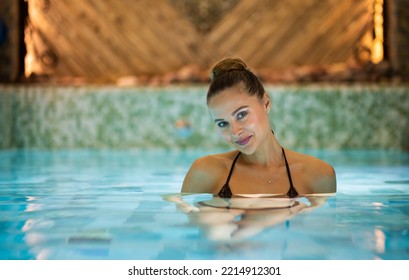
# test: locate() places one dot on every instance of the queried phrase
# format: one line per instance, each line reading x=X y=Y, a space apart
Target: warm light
x=380 y=240
x=377 y=45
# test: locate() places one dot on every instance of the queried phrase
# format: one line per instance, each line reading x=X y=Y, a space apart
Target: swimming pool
x=109 y=204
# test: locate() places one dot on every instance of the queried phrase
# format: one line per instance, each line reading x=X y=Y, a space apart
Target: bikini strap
x=292 y=192
x=225 y=192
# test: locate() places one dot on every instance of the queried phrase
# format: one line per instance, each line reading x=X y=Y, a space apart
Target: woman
x=258 y=165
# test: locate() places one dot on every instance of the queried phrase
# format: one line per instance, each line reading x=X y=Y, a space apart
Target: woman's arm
x=182 y=205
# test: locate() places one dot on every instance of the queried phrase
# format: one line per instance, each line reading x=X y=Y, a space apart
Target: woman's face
x=241 y=119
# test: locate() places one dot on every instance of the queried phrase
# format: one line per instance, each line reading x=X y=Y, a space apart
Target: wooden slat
x=105 y=40
x=291 y=33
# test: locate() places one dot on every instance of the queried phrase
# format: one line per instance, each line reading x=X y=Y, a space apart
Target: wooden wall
x=397 y=30
x=280 y=34
x=10 y=40
x=102 y=41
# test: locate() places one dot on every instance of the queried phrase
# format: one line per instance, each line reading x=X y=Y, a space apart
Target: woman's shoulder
x=319 y=174
x=207 y=173
x=215 y=160
x=309 y=160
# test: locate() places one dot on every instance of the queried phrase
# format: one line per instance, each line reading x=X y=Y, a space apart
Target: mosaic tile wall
x=324 y=117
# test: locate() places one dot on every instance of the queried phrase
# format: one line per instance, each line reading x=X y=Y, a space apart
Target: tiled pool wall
x=303 y=117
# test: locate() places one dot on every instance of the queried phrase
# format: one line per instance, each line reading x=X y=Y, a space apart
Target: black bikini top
x=225 y=191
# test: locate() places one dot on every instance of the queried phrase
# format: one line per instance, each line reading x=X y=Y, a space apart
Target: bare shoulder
x=207 y=174
x=318 y=174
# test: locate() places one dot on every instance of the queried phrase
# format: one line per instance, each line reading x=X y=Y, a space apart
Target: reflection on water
x=224 y=219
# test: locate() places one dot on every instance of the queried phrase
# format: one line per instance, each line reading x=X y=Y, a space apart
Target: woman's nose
x=236 y=129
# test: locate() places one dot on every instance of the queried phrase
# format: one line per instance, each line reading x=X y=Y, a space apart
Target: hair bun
x=226 y=65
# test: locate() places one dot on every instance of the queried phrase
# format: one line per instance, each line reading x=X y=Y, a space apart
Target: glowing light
x=377 y=45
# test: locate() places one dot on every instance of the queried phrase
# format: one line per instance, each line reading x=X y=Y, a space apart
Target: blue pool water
x=108 y=204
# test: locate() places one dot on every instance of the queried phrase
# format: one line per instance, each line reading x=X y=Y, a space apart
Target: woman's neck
x=268 y=154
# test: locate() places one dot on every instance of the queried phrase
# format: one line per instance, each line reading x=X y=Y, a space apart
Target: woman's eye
x=241 y=115
x=222 y=124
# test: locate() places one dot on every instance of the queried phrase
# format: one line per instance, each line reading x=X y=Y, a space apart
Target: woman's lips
x=243 y=141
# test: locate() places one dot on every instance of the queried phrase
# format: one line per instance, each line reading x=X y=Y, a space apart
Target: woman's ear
x=266 y=102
